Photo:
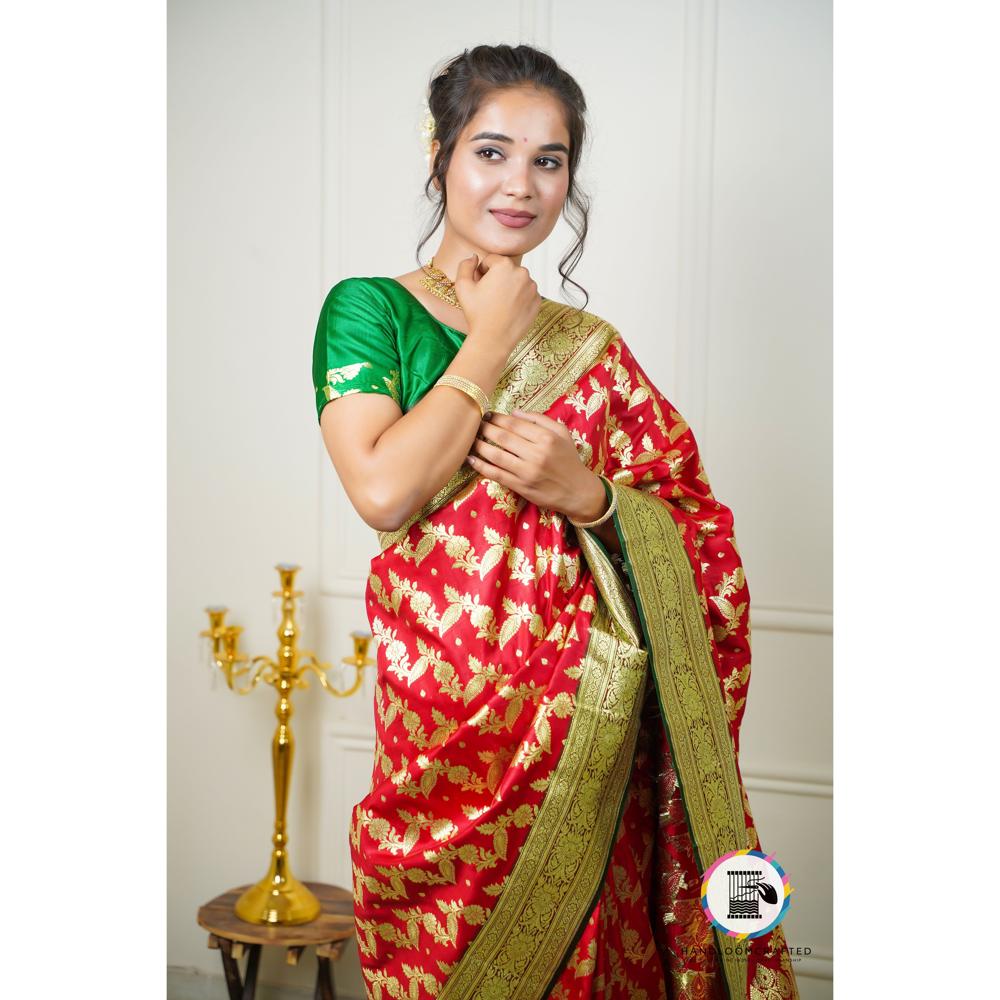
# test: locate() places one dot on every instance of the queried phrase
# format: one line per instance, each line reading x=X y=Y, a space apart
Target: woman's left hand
x=535 y=456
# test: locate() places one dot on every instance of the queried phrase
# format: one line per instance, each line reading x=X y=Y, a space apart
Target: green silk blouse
x=374 y=335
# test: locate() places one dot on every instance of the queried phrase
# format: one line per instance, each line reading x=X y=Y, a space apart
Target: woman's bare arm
x=392 y=463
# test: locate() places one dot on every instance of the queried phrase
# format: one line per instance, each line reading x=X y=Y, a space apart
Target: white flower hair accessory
x=427 y=132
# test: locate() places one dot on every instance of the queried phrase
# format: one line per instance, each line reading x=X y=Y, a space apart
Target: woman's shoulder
x=364 y=293
x=357 y=285
x=385 y=294
x=357 y=303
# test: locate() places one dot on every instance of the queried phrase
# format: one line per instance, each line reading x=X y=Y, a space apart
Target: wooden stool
x=232 y=936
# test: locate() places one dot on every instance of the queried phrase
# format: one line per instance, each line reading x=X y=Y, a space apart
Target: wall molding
x=775 y=618
x=789 y=784
x=694 y=208
x=351 y=738
x=339 y=794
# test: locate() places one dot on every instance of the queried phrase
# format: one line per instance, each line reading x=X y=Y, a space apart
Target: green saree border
x=561 y=346
x=687 y=686
x=550 y=891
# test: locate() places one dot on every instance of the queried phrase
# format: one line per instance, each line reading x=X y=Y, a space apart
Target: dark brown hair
x=456 y=93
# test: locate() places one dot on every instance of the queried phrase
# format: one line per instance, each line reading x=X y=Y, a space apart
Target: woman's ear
x=435 y=149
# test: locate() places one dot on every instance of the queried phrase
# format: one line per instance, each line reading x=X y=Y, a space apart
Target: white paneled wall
x=295 y=161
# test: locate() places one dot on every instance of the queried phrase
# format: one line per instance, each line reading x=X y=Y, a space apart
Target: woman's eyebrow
x=548 y=147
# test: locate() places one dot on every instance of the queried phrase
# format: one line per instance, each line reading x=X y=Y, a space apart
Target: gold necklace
x=438 y=283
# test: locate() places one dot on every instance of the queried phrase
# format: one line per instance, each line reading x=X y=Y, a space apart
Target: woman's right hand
x=499 y=298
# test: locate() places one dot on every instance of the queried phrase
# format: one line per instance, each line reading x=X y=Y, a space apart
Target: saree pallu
x=556 y=759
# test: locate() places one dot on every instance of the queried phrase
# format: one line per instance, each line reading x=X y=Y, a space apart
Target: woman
x=560 y=604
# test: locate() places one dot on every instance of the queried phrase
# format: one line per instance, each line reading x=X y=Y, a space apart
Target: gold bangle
x=611 y=509
x=469 y=388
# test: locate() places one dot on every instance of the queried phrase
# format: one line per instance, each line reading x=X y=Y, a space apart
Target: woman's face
x=512 y=156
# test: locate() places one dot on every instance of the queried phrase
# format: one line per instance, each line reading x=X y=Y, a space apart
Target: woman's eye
x=489 y=149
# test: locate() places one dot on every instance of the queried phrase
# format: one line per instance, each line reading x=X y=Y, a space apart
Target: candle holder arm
x=262 y=669
x=320 y=669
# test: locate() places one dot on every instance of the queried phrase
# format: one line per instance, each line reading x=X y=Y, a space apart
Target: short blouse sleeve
x=355 y=347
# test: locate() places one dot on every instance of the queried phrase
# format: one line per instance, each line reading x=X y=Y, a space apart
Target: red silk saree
x=557 y=731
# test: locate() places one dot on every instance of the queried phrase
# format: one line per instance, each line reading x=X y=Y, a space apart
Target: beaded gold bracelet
x=469 y=388
x=611 y=509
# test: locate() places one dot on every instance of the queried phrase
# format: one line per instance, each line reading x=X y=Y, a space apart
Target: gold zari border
x=687 y=686
x=561 y=867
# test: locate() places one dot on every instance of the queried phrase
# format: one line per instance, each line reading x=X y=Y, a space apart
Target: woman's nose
x=516 y=181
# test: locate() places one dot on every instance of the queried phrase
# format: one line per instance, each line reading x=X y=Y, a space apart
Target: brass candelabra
x=279 y=898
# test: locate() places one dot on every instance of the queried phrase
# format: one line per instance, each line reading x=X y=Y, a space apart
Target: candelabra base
x=283 y=901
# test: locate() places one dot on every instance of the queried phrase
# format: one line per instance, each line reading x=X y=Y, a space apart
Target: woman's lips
x=512 y=221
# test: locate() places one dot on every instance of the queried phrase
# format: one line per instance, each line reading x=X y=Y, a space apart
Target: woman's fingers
x=498 y=456
x=542 y=421
x=495 y=260
x=489 y=471
x=466 y=271
x=524 y=429
x=496 y=434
